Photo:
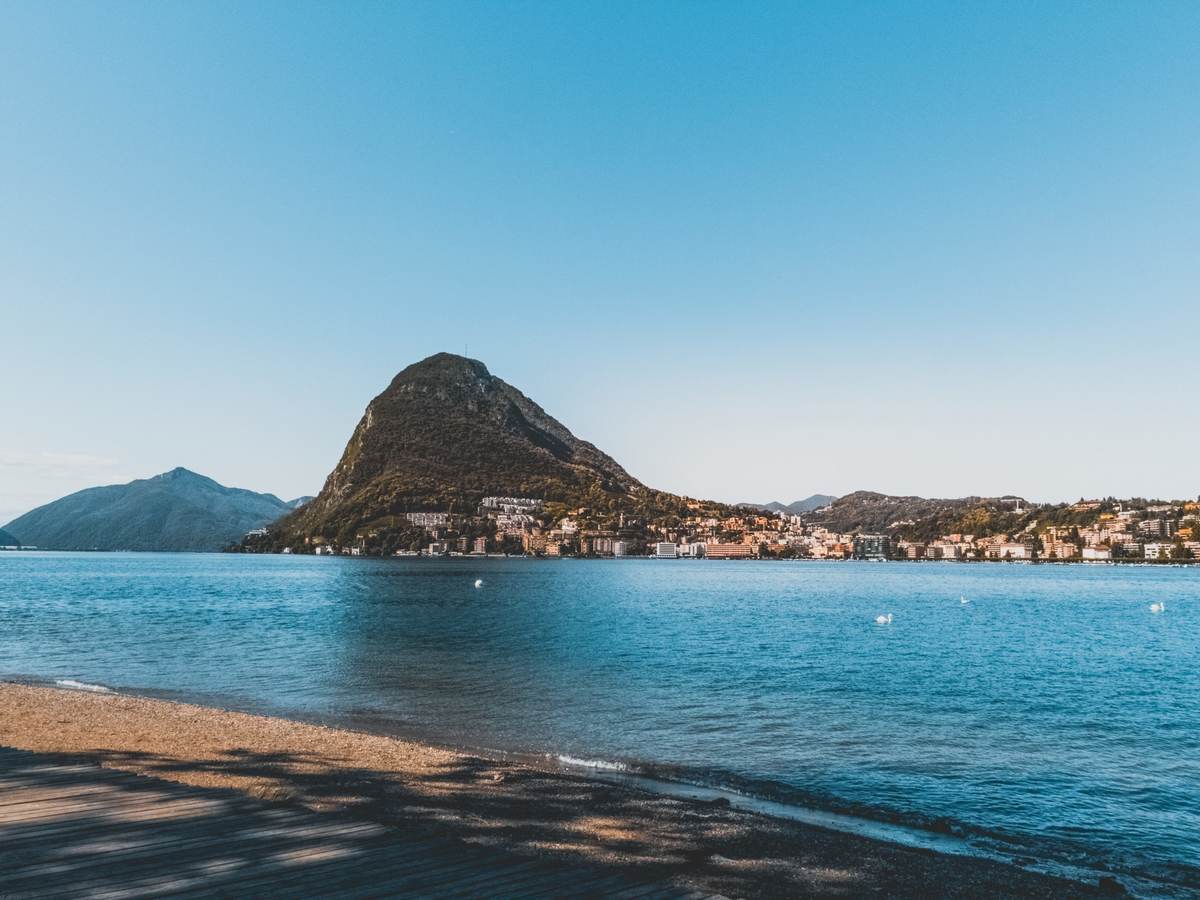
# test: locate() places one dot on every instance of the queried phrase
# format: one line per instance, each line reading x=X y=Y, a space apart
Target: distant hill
x=8 y=540
x=445 y=434
x=299 y=502
x=178 y=510
x=921 y=518
x=796 y=507
x=808 y=504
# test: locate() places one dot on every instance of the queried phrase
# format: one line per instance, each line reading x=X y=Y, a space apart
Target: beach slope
x=428 y=790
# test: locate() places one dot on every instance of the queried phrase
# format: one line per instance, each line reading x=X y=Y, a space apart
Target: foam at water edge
x=602 y=764
x=82 y=686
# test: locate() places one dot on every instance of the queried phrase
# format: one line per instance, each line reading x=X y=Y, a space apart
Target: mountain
x=8 y=540
x=809 y=503
x=178 y=510
x=445 y=434
x=796 y=507
x=299 y=502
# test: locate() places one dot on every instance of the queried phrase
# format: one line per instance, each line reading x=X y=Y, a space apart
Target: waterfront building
x=871 y=546
x=620 y=548
x=729 y=551
x=666 y=550
x=1010 y=550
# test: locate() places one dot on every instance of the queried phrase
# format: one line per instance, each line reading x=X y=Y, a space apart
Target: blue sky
x=753 y=251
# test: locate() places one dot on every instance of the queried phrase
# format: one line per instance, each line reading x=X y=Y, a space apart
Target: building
x=1096 y=554
x=693 y=550
x=666 y=550
x=1157 y=551
x=512 y=504
x=1010 y=550
x=428 y=519
x=480 y=545
x=515 y=524
x=620 y=548
x=602 y=546
x=871 y=546
x=1154 y=528
x=730 y=551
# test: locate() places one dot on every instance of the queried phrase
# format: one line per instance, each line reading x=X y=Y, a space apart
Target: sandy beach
x=427 y=790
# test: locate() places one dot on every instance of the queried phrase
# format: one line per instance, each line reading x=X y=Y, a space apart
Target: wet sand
x=427 y=790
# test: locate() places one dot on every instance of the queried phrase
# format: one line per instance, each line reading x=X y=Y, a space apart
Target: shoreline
x=1112 y=563
x=701 y=839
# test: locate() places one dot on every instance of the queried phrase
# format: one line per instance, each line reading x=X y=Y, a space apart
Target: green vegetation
x=178 y=510
x=444 y=435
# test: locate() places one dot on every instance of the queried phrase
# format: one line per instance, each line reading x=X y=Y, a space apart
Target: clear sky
x=754 y=251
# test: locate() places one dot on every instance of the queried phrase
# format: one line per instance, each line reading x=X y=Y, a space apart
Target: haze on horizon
x=754 y=253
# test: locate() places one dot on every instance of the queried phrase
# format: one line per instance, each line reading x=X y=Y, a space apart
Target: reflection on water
x=1054 y=710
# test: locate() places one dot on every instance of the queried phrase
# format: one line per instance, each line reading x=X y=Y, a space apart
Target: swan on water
x=478 y=582
x=1158 y=607
x=884 y=620
x=963 y=600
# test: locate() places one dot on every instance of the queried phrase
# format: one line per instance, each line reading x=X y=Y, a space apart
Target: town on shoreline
x=1089 y=531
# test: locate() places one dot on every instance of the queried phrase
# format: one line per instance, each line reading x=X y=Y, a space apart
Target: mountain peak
x=179 y=472
x=444 y=434
x=177 y=510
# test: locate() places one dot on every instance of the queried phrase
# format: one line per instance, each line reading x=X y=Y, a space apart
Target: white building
x=1096 y=553
x=620 y=548
x=428 y=519
x=666 y=550
x=1011 y=550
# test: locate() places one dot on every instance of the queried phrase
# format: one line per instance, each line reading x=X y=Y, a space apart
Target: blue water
x=1053 y=716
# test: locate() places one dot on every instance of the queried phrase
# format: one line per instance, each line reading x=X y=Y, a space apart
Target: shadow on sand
x=471 y=828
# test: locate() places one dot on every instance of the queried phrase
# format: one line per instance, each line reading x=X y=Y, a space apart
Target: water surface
x=1053 y=715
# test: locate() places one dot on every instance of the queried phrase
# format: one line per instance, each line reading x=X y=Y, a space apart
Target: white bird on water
x=478 y=582
x=963 y=600
x=884 y=620
x=1158 y=607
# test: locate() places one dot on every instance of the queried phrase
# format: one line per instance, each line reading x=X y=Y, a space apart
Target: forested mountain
x=445 y=434
x=178 y=510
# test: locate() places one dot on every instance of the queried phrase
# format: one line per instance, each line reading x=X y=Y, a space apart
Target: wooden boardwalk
x=70 y=830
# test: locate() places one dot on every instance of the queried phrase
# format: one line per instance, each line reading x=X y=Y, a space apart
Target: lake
x=1052 y=716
